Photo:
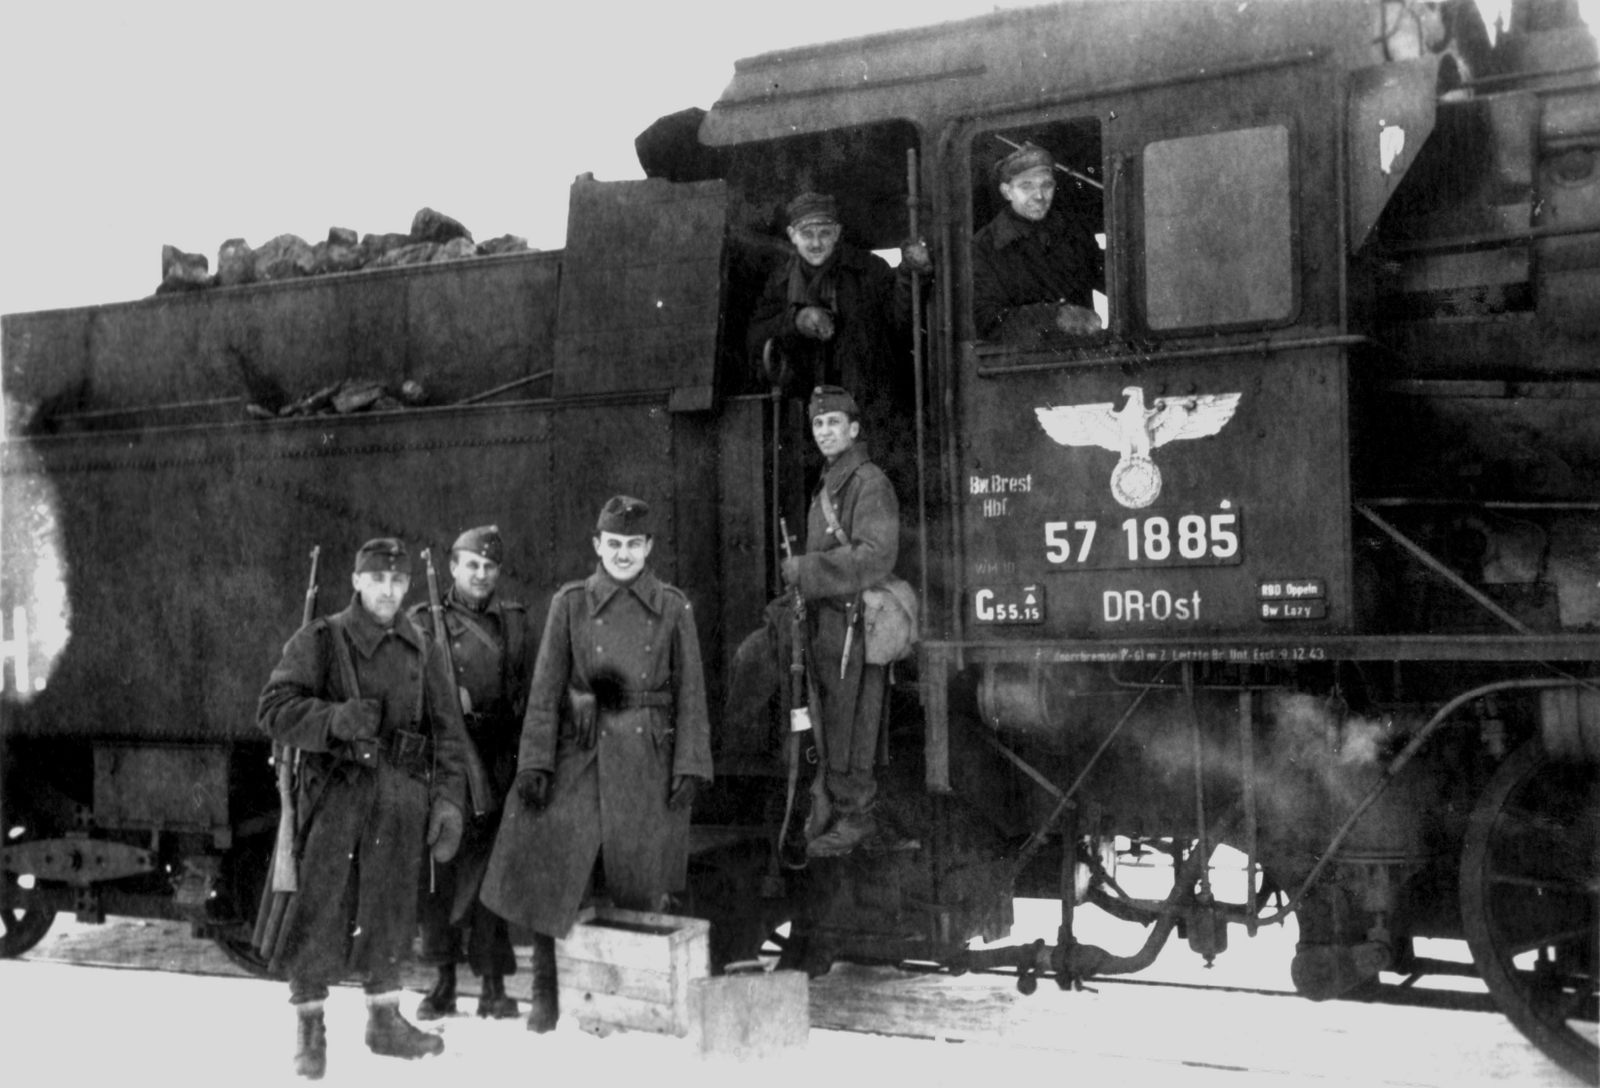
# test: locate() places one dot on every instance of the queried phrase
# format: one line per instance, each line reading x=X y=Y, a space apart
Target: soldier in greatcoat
x=492 y=648
x=852 y=541
x=367 y=702
x=615 y=745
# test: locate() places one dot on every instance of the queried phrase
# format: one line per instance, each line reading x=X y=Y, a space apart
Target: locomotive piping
x=1399 y=763
x=1450 y=576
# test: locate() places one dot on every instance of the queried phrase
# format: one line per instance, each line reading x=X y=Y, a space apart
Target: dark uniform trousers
x=362 y=825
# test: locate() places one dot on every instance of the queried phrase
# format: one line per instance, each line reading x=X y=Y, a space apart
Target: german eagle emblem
x=1134 y=430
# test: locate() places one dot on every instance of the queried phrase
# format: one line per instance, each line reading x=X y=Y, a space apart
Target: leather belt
x=633 y=700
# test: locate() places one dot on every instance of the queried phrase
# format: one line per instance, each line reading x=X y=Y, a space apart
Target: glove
x=356 y=719
x=915 y=256
x=444 y=830
x=815 y=322
x=534 y=789
x=684 y=789
x=791 y=571
x=1076 y=320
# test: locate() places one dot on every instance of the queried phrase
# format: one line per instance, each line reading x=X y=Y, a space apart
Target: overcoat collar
x=366 y=632
x=845 y=466
x=601 y=587
x=454 y=599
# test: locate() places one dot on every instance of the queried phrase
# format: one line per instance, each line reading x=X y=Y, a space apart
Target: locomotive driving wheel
x=1530 y=885
x=23 y=930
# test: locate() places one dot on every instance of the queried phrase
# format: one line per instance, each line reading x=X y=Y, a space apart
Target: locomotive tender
x=1298 y=555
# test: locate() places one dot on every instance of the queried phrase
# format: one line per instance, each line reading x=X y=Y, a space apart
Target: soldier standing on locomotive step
x=615 y=745
x=852 y=540
x=1035 y=268
x=492 y=648
x=367 y=700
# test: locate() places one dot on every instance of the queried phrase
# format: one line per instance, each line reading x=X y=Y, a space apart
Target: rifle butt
x=272 y=932
x=283 y=867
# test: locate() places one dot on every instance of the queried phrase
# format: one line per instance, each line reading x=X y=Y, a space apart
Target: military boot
x=392 y=1035
x=851 y=830
x=310 y=1041
x=544 y=1009
x=441 y=1000
x=494 y=1002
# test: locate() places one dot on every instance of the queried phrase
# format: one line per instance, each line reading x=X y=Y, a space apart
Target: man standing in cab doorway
x=615 y=745
x=492 y=648
x=367 y=701
x=852 y=540
x=833 y=314
x=1034 y=267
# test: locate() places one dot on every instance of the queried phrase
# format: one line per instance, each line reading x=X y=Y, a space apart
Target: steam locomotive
x=1297 y=555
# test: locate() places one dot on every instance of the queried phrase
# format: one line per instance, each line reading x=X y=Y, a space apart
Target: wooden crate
x=761 y=1015
x=631 y=969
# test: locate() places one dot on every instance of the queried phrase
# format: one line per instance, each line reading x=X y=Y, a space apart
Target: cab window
x=1218 y=230
x=1039 y=234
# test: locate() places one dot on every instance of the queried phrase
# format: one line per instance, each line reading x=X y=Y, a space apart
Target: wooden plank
x=597 y=976
x=750 y=1016
x=612 y=1010
x=678 y=943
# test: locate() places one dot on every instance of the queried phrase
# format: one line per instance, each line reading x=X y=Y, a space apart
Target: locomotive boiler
x=1297 y=555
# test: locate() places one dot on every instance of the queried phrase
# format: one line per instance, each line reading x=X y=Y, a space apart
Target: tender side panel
x=1245 y=507
x=186 y=551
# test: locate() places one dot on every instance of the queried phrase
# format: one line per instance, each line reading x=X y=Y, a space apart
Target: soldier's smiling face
x=381 y=592
x=815 y=241
x=835 y=433
x=622 y=556
x=1031 y=192
x=475 y=576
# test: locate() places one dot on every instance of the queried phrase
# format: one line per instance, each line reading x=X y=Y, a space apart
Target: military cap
x=813 y=208
x=1029 y=156
x=831 y=398
x=484 y=540
x=625 y=516
x=383 y=553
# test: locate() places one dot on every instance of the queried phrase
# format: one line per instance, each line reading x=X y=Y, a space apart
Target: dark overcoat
x=634 y=646
x=361 y=833
x=869 y=353
x=832 y=575
x=1022 y=271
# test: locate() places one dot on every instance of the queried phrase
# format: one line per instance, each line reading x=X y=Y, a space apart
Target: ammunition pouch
x=410 y=752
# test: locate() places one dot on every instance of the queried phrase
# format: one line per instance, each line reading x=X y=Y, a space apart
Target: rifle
x=801 y=698
x=480 y=793
x=285 y=882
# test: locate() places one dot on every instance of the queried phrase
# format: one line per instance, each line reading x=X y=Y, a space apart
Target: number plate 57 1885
x=1150 y=540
